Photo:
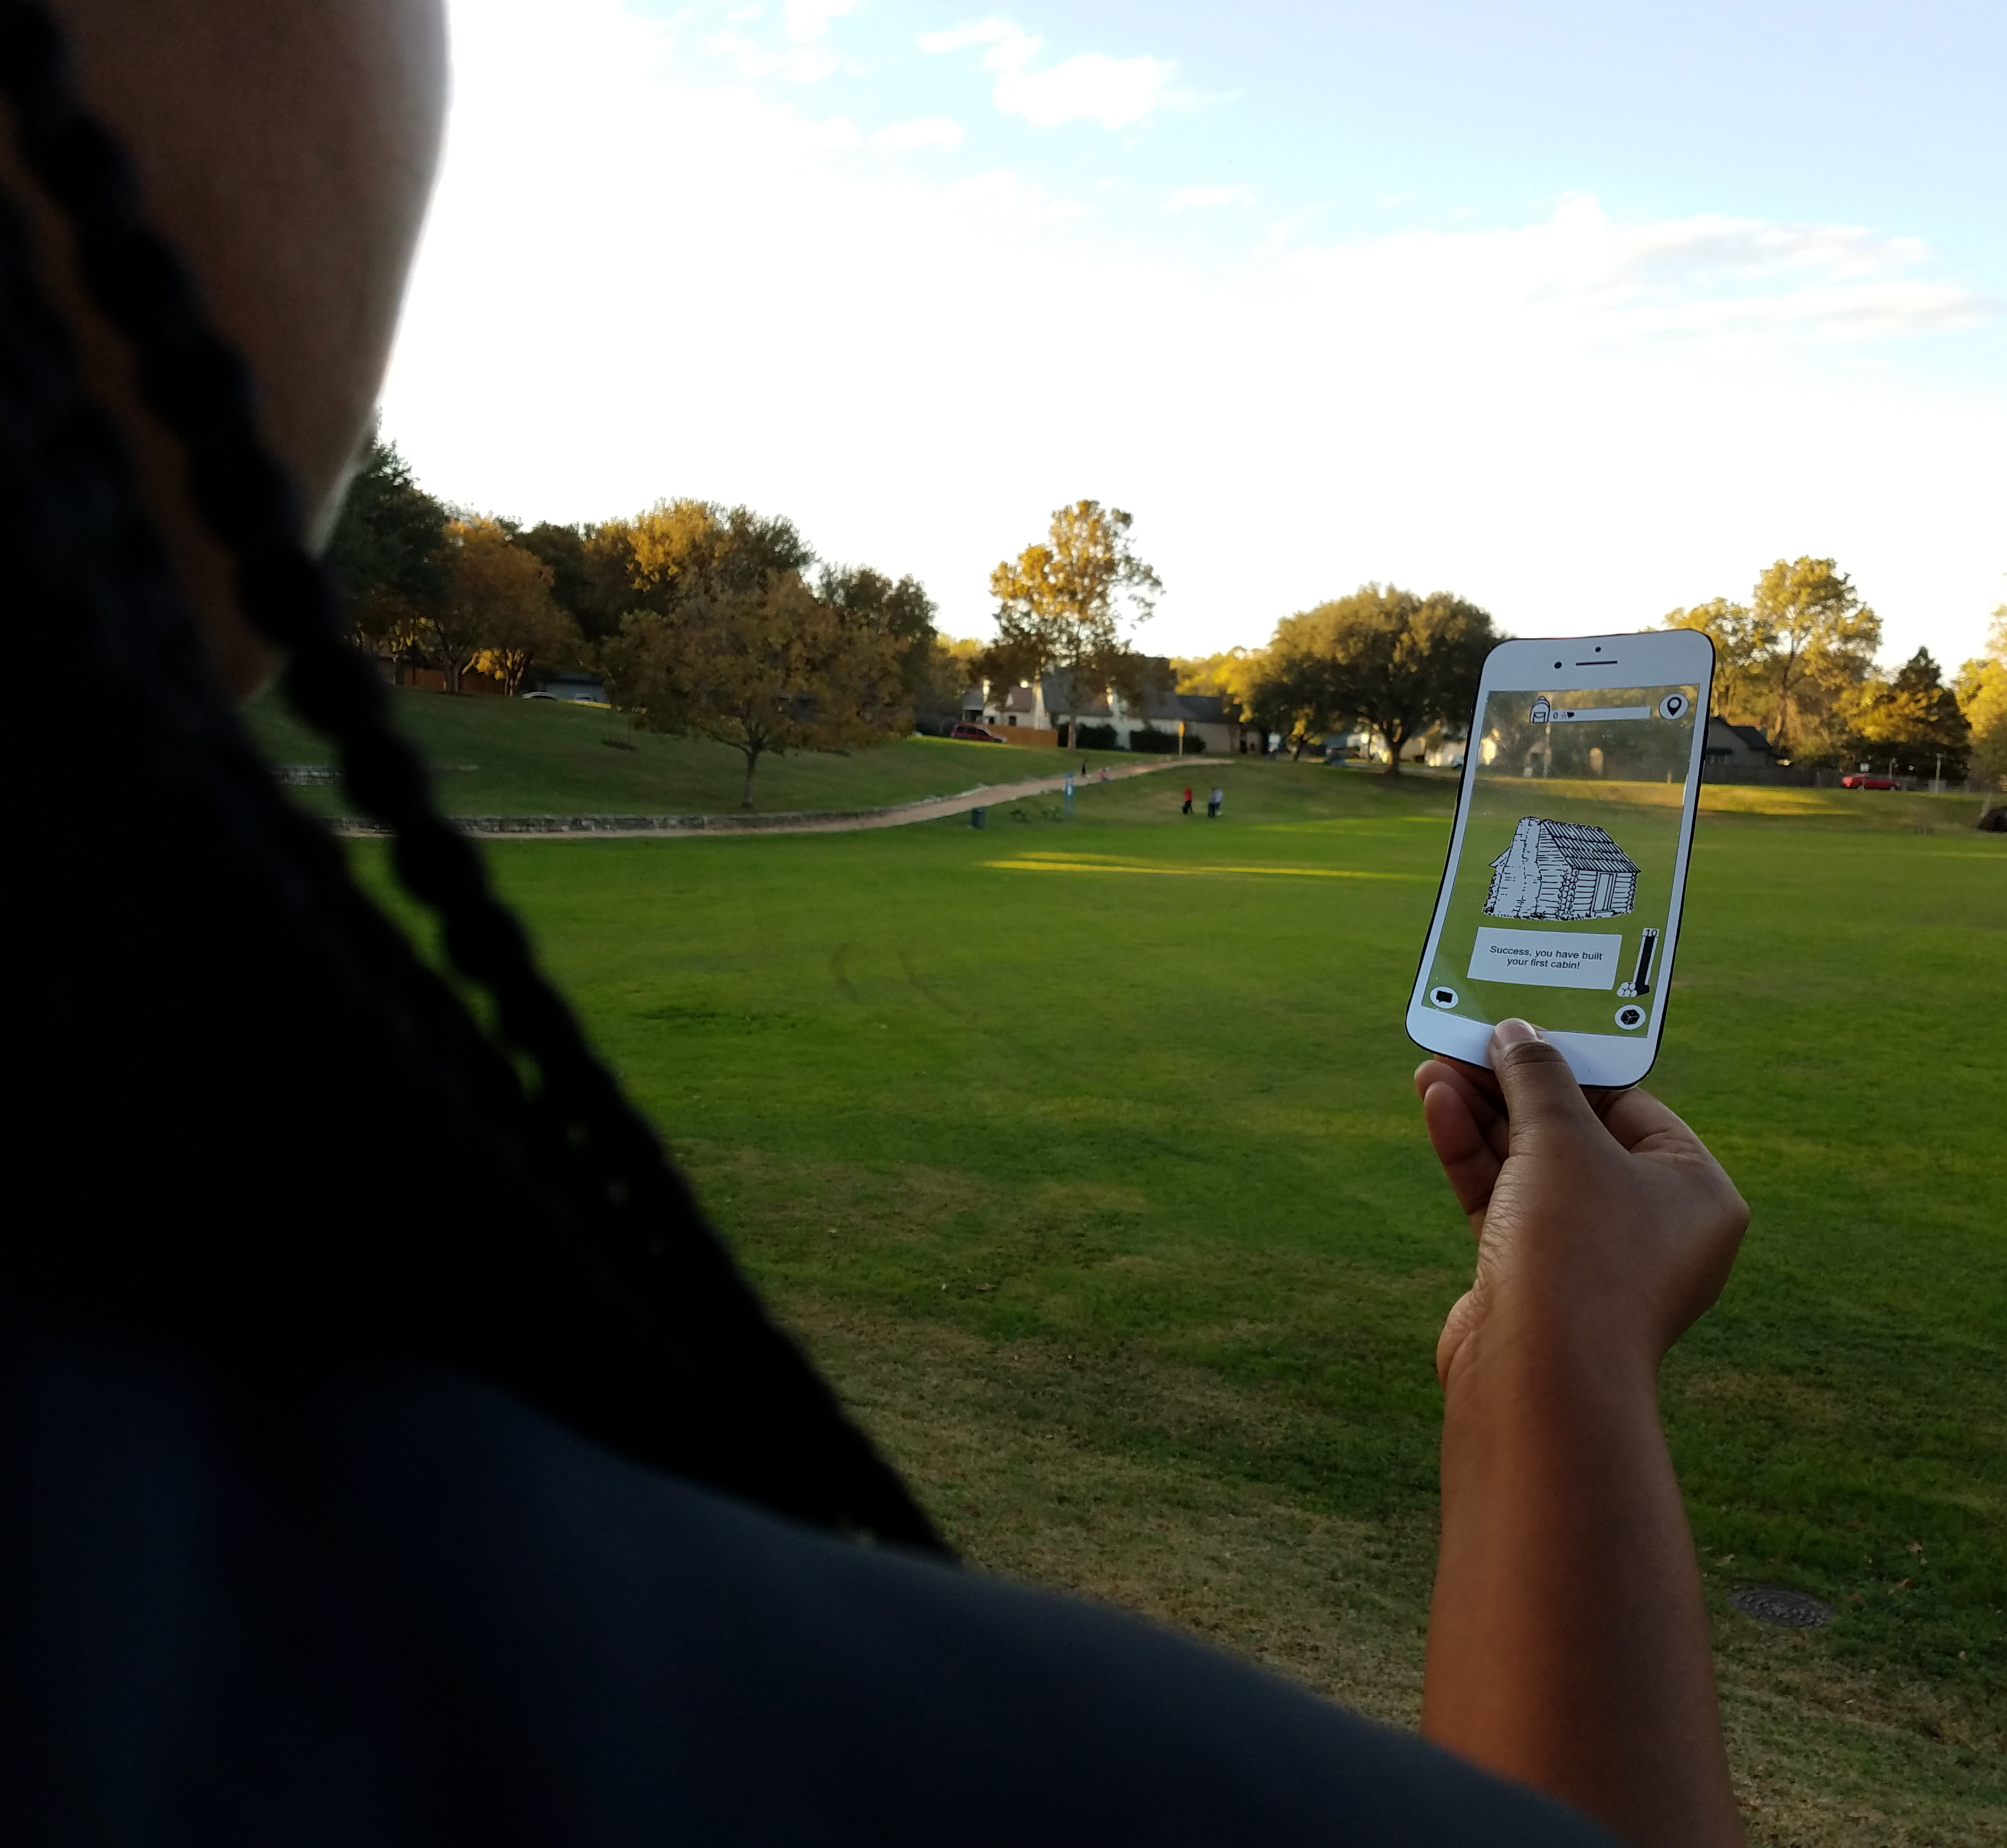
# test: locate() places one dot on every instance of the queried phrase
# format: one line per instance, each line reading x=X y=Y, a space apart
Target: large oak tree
x=1394 y=661
x=765 y=670
x=728 y=642
x=1796 y=659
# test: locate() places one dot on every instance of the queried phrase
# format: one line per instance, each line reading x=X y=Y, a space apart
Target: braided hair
x=222 y=1022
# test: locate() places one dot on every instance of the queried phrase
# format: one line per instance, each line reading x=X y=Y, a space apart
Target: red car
x=976 y=734
x=1864 y=781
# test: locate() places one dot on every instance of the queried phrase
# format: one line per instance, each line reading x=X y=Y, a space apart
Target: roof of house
x=1159 y=705
x=1753 y=736
x=1582 y=847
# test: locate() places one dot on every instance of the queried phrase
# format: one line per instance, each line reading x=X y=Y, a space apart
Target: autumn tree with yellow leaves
x=1981 y=688
x=1071 y=603
x=1796 y=659
x=727 y=641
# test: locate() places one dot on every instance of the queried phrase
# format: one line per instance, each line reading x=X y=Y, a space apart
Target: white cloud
x=1209 y=199
x=1580 y=420
x=804 y=58
x=805 y=21
x=925 y=131
x=960 y=38
x=1115 y=92
x=1718 y=278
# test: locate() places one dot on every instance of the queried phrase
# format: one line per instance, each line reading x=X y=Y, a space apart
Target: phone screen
x=1561 y=902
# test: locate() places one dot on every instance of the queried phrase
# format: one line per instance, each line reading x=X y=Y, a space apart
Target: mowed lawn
x=496 y=756
x=1084 y=1154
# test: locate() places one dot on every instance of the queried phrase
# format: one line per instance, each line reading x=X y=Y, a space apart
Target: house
x=1735 y=747
x=1561 y=869
x=1441 y=747
x=584 y=689
x=1161 y=720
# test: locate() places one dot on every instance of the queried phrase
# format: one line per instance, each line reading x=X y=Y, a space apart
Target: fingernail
x=1514 y=1032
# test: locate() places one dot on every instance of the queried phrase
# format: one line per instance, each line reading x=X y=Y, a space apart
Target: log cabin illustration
x=1561 y=869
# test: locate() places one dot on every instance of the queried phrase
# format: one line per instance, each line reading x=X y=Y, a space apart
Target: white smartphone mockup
x=1560 y=900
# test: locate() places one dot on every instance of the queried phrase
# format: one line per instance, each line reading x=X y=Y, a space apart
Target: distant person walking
x=1214 y=803
x=1186 y=809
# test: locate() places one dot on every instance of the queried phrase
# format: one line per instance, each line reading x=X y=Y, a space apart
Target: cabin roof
x=1581 y=846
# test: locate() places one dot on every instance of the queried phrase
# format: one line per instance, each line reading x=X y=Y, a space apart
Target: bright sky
x=1583 y=310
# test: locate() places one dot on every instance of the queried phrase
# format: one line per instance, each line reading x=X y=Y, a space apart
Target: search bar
x=1577 y=715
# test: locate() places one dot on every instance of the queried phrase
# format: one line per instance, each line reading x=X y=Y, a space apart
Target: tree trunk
x=752 y=764
x=1780 y=732
x=1394 y=741
x=450 y=670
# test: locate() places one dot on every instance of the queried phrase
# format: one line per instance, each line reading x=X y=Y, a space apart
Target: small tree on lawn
x=765 y=669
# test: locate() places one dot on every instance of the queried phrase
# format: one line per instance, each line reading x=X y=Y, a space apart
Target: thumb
x=1542 y=1093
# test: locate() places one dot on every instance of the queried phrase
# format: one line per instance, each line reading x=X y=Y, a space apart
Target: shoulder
x=471 y=1620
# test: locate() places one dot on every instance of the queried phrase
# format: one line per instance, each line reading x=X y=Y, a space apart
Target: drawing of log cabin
x=1561 y=869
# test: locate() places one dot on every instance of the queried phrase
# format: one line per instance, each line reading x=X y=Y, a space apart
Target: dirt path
x=834 y=821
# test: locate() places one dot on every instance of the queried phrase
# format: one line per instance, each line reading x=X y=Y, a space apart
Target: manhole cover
x=1780 y=1605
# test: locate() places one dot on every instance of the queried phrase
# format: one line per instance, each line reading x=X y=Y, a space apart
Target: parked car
x=1861 y=781
x=977 y=735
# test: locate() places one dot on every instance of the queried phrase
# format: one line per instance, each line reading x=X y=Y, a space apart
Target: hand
x=1599 y=1217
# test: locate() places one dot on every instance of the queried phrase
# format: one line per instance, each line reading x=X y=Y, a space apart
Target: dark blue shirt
x=412 y=1610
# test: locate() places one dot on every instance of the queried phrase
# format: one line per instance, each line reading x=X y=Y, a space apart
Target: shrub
x=1094 y=738
x=1149 y=738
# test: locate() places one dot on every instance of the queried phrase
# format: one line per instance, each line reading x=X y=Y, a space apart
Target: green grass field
x=1084 y=1155
x=496 y=756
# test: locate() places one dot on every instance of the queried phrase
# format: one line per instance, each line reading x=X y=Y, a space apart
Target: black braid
x=724 y=1393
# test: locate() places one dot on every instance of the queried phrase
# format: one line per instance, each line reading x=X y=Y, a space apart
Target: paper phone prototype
x=1567 y=861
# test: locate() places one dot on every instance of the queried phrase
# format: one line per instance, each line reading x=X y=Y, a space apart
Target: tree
x=1742 y=665
x=903 y=611
x=1229 y=676
x=1288 y=692
x=953 y=666
x=386 y=552
x=1981 y=688
x=1913 y=720
x=1067 y=604
x=497 y=611
x=766 y=669
x=1821 y=639
x=682 y=551
x=1796 y=659
x=590 y=573
x=1399 y=662
x=525 y=627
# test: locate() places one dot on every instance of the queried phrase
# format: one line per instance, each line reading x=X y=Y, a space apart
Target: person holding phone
x=389 y=1452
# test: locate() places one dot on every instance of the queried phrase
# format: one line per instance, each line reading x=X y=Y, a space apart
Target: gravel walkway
x=832 y=821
